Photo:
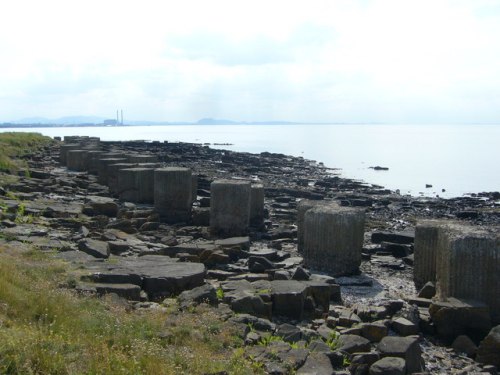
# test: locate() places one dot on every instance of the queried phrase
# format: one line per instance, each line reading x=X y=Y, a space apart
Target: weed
x=334 y=340
x=220 y=293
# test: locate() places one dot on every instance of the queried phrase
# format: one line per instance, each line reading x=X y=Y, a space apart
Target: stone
x=428 y=290
x=259 y=264
x=404 y=327
x=333 y=239
x=93 y=157
x=98 y=249
x=374 y=332
x=136 y=185
x=201 y=294
x=294 y=358
x=353 y=344
x=489 y=348
x=389 y=366
x=289 y=332
x=406 y=348
x=403 y=238
x=463 y=344
x=316 y=364
x=301 y=274
x=455 y=317
x=172 y=194
x=288 y=298
x=158 y=276
x=230 y=207
x=130 y=292
x=102 y=206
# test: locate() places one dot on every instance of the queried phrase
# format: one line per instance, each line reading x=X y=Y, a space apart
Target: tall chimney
x=117 y=118
x=122 y=116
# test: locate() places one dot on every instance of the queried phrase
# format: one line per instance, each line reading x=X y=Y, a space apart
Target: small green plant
x=220 y=293
x=266 y=340
x=334 y=340
x=346 y=362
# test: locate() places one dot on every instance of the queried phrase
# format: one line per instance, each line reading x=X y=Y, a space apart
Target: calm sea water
x=458 y=158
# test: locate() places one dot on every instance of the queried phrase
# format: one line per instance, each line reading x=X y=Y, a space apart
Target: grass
x=14 y=146
x=46 y=329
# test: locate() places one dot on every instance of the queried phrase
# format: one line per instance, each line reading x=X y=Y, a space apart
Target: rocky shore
x=291 y=318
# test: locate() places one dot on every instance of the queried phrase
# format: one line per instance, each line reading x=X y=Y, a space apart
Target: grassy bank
x=14 y=146
x=48 y=329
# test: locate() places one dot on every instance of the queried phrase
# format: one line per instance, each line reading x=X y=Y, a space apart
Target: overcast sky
x=420 y=61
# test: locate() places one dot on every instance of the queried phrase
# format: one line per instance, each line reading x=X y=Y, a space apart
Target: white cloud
x=371 y=60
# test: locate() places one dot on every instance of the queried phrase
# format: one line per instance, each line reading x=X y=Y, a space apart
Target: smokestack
x=122 y=116
x=117 y=118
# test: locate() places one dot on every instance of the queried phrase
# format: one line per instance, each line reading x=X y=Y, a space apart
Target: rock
x=159 y=276
x=406 y=348
x=428 y=290
x=389 y=366
x=259 y=264
x=374 y=332
x=489 y=349
x=241 y=242
x=316 y=364
x=103 y=206
x=202 y=294
x=288 y=298
x=404 y=327
x=455 y=317
x=361 y=362
x=294 y=358
x=289 y=333
x=249 y=303
x=98 y=249
x=464 y=344
x=397 y=250
x=353 y=344
x=128 y=291
x=301 y=274
x=403 y=238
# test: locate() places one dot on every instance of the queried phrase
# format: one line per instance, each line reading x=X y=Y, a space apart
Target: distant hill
x=96 y=121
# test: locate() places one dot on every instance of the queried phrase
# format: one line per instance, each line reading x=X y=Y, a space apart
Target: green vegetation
x=334 y=340
x=47 y=329
x=14 y=146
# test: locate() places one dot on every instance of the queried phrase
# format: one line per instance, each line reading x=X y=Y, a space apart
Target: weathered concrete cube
x=173 y=193
x=194 y=187
x=302 y=207
x=468 y=265
x=137 y=158
x=102 y=169
x=77 y=160
x=257 y=205
x=136 y=185
x=113 y=170
x=333 y=239
x=63 y=151
x=93 y=161
x=229 y=207
x=425 y=251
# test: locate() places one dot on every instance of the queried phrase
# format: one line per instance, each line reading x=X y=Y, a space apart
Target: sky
x=389 y=61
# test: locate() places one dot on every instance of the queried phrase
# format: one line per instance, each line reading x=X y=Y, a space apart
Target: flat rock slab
x=157 y=275
x=241 y=242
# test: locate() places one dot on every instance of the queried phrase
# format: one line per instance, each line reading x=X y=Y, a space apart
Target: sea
x=418 y=160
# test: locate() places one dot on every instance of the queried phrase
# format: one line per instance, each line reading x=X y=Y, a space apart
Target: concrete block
x=102 y=169
x=77 y=160
x=230 y=207
x=173 y=193
x=113 y=170
x=302 y=207
x=333 y=239
x=136 y=185
x=63 y=151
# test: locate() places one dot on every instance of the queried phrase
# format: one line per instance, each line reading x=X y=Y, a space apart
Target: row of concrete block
x=234 y=205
